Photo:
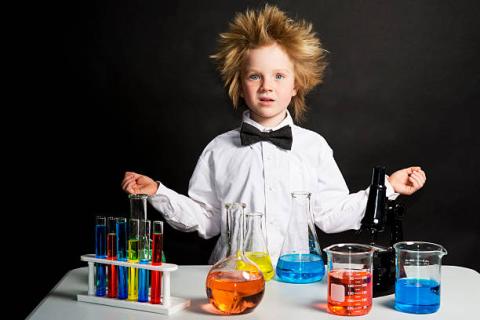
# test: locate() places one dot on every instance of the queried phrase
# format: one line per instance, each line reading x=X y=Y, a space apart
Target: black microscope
x=383 y=223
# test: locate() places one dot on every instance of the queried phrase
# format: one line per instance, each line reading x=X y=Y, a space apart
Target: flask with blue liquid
x=300 y=259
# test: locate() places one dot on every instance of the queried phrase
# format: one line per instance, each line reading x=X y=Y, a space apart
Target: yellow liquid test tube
x=133 y=242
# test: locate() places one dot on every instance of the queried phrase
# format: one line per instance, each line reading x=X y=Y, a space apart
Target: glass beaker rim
x=230 y=204
x=429 y=246
x=254 y=213
x=301 y=193
x=138 y=196
x=367 y=249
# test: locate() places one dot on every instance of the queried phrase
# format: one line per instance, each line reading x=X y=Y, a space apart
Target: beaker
x=255 y=245
x=235 y=284
x=349 y=279
x=417 y=286
x=300 y=259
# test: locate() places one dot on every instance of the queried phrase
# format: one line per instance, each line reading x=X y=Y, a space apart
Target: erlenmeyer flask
x=235 y=284
x=300 y=259
x=255 y=246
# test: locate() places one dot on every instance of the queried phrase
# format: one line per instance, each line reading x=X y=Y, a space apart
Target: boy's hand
x=407 y=181
x=135 y=183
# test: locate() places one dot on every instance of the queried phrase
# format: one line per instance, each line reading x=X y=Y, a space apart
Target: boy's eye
x=279 y=76
x=254 y=77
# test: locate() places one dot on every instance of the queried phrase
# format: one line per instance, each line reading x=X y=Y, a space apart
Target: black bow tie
x=281 y=138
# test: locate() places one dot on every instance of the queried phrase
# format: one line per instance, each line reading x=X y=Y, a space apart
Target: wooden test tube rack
x=168 y=304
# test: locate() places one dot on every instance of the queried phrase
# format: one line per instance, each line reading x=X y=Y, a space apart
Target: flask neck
x=235 y=219
x=301 y=204
x=254 y=233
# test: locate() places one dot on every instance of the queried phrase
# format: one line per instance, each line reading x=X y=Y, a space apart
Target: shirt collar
x=287 y=121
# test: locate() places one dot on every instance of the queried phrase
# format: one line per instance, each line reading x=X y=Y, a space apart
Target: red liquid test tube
x=112 y=255
x=157 y=247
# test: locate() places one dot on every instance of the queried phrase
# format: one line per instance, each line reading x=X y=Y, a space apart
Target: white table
x=460 y=296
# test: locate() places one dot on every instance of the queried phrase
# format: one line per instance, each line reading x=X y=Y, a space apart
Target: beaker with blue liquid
x=418 y=269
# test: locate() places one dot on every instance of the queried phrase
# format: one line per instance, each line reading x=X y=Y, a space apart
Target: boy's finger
x=419 y=177
x=415 y=182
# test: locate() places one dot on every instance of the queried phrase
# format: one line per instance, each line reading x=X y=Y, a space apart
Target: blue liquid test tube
x=144 y=255
x=122 y=256
x=101 y=252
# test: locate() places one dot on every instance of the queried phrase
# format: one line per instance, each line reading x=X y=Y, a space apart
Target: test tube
x=100 y=252
x=133 y=241
x=144 y=254
x=122 y=256
x=157 y=248
x=112 y=255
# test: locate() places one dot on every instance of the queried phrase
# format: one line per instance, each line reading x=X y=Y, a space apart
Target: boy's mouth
x=266 y=99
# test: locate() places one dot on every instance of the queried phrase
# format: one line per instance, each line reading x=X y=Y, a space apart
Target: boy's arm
x=334 y=208
x=200 y=212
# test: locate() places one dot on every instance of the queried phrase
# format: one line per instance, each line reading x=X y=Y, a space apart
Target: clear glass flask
x=300 y=259
x=235 y=284
x=418 y=267
x=255 y=245
x=349 y=279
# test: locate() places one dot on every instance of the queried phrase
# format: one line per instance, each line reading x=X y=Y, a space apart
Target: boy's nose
x=266 y=86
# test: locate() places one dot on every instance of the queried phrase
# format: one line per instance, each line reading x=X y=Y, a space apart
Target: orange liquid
x=230 y=293
x=349 y=292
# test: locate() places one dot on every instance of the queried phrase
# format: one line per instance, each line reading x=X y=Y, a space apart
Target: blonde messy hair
x=267 y=26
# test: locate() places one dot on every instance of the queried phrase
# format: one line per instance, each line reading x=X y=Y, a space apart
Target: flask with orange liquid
x=235 y=284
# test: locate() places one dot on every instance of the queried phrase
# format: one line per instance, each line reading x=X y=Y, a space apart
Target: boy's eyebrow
x=276 y=70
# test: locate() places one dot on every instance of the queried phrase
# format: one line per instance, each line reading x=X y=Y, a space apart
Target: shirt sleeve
x=200 y=211
x=334 y=208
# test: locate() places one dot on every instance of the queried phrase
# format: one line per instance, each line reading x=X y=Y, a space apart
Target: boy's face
x=268 y=84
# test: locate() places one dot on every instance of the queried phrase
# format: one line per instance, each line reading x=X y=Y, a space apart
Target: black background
x=120 y=86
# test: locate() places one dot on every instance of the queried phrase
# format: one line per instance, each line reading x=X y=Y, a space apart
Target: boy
x=268 y=62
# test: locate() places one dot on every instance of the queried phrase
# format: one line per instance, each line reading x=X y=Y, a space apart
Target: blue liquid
x=300 y=268
x=122 y=256
x=122 y=282
x=101 y=241
x=101 y=280
x=101 y=252
x=143 y=283
x=121 y=240
x=417 y=295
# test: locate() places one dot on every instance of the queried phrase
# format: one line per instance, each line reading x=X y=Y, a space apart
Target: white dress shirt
x=263 y=177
